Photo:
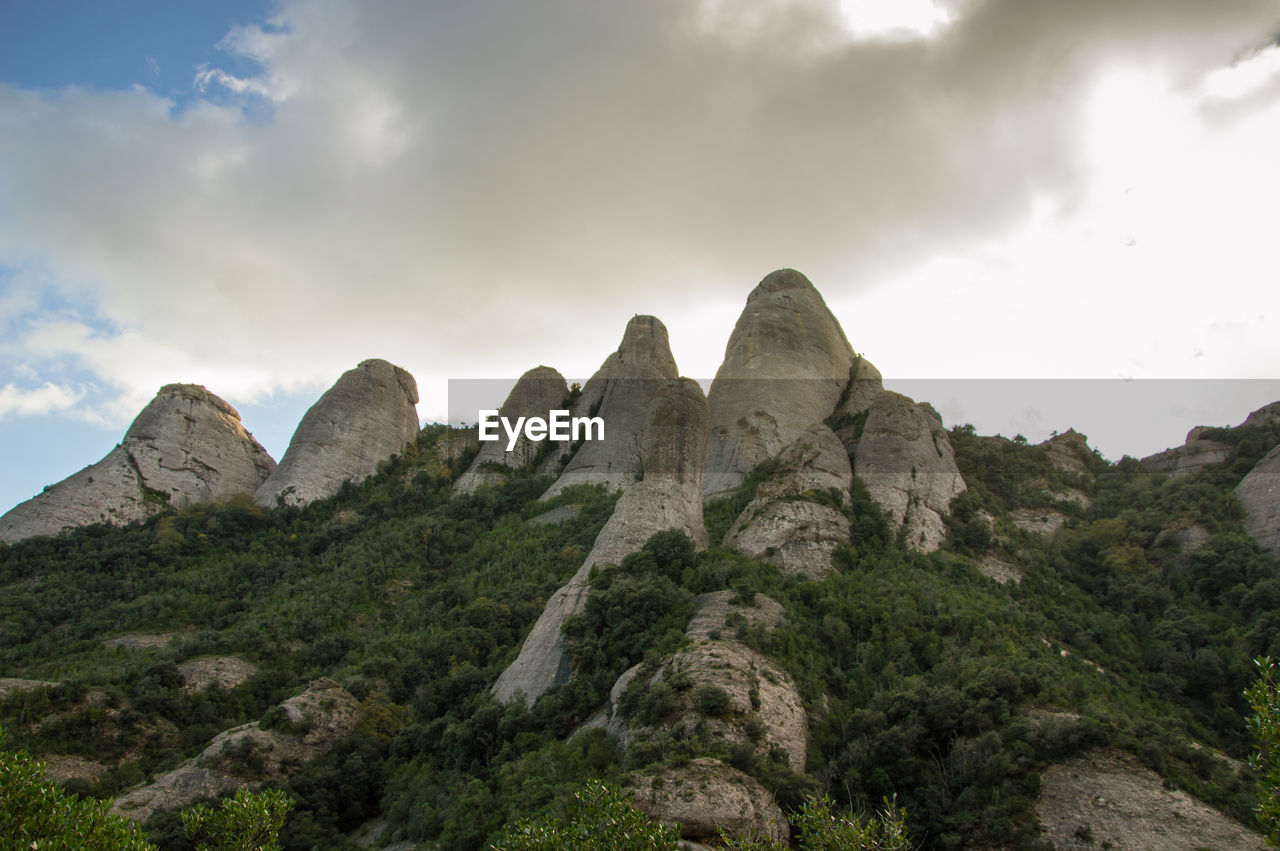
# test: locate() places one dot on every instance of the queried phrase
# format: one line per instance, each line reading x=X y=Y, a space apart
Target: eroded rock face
x=1259 y=493
x=785 y=368
x=785 y=524
x=538 y=392
x=369 y=415
x=1125 y=805
x=905 y=460
x=670 y=449
x=705 y=796
x=718 y=684
x=1193 y=456
x=249 y=754
x=186 y=446
x=621 y=391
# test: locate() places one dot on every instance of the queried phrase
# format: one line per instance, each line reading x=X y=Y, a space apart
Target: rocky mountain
x=786 y=367
x=368 y=415
x=187 y=446
x=799 y=583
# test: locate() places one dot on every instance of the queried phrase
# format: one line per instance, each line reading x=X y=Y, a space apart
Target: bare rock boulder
x=620 y=393
x=186 y=446
x=785 y=368
x=538 y=392
x=369 y=415
x=705 y=796
x=1259 y=493
x=906 y=462
x=670 y=449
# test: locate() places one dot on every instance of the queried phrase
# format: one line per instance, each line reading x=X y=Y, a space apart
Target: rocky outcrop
x=668 y=496
x=1107 y=799
x=786 y=367
x=304 y=727
x=1068 y=452
x=1191 y=457
x=538 y=392
x=905 y=460
x=620 y=393
x=718 y=685
x=186 y=446
x=705 y=796
x=794 y=521
x=369 y=415
x=1265 y=416
x=1259 y=493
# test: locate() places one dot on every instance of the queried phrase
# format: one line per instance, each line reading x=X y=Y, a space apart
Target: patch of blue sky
x=120 y=44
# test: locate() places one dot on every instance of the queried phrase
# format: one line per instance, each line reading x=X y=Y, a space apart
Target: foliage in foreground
x=601 y=817
x=1264 y=698
x=37 y=813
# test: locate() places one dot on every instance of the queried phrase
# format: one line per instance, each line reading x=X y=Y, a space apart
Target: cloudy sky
x=256 y=195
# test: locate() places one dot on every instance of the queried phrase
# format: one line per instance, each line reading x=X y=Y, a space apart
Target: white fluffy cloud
x=978 y=188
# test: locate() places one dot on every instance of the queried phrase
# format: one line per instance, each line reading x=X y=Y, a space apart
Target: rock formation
x=186 y=446
x=719 y=685
x=309 y=723
x=1259 y=493
x=786 y=367
x=620 y=393
x=904 y=458
x=539 y=391
x=1191 y=457
x=668 y=496
x=1126 y=805
x=794 y=521
x=365 y=418
x=705 y=796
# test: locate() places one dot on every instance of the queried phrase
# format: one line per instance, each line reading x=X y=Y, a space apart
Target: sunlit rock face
x=186 y=446
x=905 y=460
x=668 y=495
x=620 y=393
x=538 y=392
x=786 y=367
x=369 y=415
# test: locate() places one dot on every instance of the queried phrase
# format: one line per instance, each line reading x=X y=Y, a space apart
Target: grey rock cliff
x=622 y=388
x=538 y=392
x=905 y=460
x=1259 y=493
x=785 y=368
x=668 y=496
x=1191 y=457
x=369 y=415
x=785 y=524
x=186 y=446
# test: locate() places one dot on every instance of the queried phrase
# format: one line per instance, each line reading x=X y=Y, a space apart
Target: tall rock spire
x=365 y=418
x=786 y=367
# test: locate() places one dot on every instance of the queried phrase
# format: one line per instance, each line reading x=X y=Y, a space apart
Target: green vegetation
x=926 y=683
x=39 y=814
x=1264 y=700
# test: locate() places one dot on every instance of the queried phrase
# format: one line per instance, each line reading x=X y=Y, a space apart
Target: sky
x=256 y=195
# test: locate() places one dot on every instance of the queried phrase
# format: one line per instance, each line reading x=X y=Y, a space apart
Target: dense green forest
x=925 y=681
